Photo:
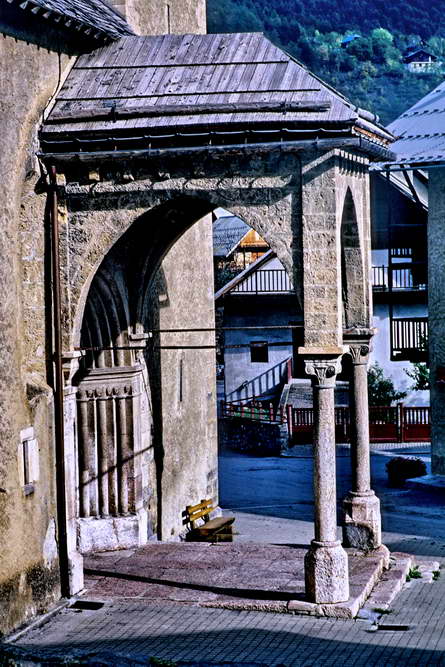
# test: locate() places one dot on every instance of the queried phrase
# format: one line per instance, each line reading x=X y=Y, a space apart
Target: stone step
x=389 y=585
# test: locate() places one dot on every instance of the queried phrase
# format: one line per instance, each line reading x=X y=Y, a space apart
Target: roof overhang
x=194 y=92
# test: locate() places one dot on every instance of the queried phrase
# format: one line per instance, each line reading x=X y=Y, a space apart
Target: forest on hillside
x=369 y=70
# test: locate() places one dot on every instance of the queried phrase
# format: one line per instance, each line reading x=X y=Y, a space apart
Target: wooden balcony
x=409 y=339
x=267 y=281
x=401 y=277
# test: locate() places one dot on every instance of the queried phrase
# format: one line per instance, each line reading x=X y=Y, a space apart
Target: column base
x=326 y=573
x=362 y=526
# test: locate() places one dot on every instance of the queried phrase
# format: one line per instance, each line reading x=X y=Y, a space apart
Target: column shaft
x=326 y=562
x=361 y=470
x=324 y=465
x=361 y=521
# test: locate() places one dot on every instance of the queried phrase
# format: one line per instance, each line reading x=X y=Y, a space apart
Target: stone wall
x=328 y=179
x=28 y=561
x=187 y=392
x=159 y=17
x=254 y=437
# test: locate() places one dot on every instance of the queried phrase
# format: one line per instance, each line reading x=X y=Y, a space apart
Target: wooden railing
x=380 y=277
x=267 y=280
x=409 y=338
x=406 y=276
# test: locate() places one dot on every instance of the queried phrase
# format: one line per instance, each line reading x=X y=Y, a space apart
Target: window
x=28 y=459
x=259 y=352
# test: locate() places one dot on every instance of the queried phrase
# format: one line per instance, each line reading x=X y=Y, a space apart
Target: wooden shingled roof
x=144 y=87
x=93 y=18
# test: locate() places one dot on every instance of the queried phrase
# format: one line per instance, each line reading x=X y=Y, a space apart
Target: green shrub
x=401 y=468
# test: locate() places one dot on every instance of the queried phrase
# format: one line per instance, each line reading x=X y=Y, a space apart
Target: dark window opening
x=259 y=352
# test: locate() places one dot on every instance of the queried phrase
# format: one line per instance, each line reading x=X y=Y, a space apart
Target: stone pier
x=436 y=317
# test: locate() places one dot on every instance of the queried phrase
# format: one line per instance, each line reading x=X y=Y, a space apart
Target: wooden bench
x=212 y=530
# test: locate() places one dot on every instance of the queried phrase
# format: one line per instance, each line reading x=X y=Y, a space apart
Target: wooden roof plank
x=171 y=75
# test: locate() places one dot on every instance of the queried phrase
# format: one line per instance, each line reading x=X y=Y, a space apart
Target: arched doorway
x=146 y=395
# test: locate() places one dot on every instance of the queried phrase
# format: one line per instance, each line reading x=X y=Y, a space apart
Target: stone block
x=326 y=574
x=362 y=523
x=96 y=534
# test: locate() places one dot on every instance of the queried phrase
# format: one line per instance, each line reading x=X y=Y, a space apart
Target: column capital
x=360 y=353
x=323 y=369
x=70 y=365
x=358 y=343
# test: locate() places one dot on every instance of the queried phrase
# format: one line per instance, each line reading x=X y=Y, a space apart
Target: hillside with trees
x=369 y=69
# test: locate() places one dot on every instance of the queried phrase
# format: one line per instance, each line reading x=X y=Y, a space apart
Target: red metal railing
x=386 y=424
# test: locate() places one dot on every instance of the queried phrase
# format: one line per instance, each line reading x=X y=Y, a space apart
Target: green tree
x=381 y=390
x=420 y=373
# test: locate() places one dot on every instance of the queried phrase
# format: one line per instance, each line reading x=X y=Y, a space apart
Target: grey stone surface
x=34 y=59
x=326 y=573
x=436 y=316
x=125 y=630
x=176 y=16
x=326 y=563
x=362 y=521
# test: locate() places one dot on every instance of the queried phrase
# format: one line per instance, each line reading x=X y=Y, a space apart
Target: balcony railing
x=409 y=339
x=266 y=281
x=404 y=277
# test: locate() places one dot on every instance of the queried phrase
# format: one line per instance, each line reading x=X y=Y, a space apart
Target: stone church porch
x=255 y=577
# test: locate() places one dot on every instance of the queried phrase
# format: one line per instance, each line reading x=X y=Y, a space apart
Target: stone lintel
x=358 y=335
x=323 y=352
x=70 y=364
x=136 y=339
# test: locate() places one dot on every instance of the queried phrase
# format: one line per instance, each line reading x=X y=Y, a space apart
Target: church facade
x=116 y=154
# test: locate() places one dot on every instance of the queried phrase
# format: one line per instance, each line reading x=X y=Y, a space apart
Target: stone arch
x=124 y=390
x=353 y=276
x=178 y=212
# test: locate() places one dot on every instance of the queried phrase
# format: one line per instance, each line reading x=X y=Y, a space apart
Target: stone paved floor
x=130 y=631
x=237 y=576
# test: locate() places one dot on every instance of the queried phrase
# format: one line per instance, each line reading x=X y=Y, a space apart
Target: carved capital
x=324 y=371
x=359 y=353
x=70 y=365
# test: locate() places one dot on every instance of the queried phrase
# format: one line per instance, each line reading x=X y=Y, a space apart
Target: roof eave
x=409 y=164
x=74 y=25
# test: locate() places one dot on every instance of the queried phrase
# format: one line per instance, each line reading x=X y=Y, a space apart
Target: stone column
x=362 y=522
x=70 y=366
x=326 y=562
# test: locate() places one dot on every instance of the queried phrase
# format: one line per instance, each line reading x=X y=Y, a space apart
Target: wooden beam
x=151 y=111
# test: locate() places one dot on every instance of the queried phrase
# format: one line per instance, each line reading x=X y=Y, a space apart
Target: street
x=273 y=501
